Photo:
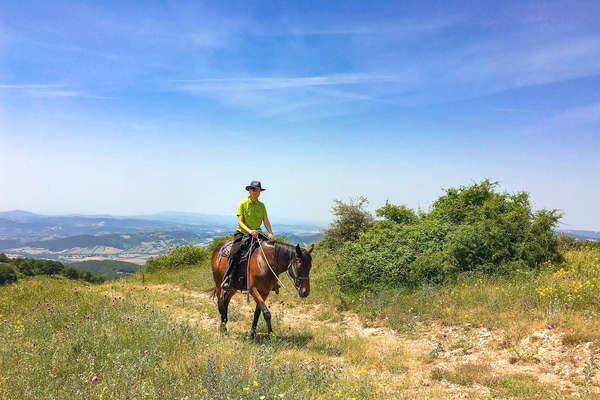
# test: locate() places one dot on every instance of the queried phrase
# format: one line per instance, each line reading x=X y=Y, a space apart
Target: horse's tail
x=212 y=291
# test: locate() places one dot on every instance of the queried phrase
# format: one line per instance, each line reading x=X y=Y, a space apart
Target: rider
x=251 y=214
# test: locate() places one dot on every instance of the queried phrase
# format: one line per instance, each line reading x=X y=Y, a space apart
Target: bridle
x=291 y=266
x=297 y=277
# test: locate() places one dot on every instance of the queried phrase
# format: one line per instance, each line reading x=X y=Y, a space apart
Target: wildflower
x=281 y=302
x=95 y=378
x=145 y=351
x=549 y=326
x=5 y=321
x=246 y=389
x=255 y=383
x=504 y=343
x=262 y=397
x=444 y=334
x=363 y=371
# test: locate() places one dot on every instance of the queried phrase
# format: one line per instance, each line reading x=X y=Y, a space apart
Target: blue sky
x=137 y=107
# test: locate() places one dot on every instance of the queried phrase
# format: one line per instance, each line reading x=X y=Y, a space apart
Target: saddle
x=240 y=273
x=226 y=250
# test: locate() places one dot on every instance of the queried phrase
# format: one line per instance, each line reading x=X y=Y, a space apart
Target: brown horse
x=270 y=259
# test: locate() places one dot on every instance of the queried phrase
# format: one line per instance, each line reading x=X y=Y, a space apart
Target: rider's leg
x=234 y=259
x=239 y=248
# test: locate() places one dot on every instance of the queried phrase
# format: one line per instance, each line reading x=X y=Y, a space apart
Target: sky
x=128 y=108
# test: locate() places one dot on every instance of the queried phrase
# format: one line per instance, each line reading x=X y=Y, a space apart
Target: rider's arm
x=242 y=224
x=268 y=225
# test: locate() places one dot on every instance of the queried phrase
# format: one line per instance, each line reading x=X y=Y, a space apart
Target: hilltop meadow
x=476 y=298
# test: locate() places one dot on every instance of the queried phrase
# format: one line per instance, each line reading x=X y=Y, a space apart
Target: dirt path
x=429 y=362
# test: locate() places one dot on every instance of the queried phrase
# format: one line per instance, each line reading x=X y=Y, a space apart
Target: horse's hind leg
x=255 y=322
x=223 y=303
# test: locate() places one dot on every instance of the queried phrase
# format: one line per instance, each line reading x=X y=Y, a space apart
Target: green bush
x=398 y=214
x=469 y=229
x=176 y=257
x=7 y=273
x=71 y=273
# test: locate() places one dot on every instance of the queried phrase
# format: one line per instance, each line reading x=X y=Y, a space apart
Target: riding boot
x=231 y=269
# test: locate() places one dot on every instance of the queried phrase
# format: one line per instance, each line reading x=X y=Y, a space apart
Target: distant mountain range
x=76 y=237
x=581 y=234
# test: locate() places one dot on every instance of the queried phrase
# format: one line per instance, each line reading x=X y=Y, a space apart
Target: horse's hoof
x=223 y=330
x=252 y=334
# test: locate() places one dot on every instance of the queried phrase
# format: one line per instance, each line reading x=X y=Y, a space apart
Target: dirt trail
x=410 y=360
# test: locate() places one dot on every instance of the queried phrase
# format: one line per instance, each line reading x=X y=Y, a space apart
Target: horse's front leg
x=255 y=322
x=260 y=304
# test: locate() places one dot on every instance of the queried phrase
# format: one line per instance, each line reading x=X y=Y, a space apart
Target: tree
x=7 y=273
x=351 y=219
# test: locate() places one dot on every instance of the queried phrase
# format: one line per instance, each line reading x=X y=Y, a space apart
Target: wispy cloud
x=291 y=97
x=31 y=86
x=382 y=27
x=48 y=90
x=500 y=67
x=269 y=83
x=586 y=114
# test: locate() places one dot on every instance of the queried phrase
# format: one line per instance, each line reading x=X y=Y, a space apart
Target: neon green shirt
x=253 y=213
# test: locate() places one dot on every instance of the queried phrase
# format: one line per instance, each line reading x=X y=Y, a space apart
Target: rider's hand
x=271 y=237
x=254 y=233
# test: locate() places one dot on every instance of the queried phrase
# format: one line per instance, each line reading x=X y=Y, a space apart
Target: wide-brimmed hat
x=256 y=185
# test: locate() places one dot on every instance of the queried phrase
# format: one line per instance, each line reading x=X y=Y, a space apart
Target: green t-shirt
x=253 y=213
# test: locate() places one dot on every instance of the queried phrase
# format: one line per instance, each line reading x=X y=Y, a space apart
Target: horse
x=269 y=260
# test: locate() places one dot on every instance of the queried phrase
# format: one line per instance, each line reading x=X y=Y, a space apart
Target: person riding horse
x=251 y=214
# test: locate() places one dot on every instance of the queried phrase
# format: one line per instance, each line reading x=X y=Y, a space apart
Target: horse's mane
x=284 y=252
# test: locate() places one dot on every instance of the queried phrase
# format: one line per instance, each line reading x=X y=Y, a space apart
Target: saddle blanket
x=226 y=251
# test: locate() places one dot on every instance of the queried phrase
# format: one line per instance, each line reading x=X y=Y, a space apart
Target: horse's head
x=301 y=270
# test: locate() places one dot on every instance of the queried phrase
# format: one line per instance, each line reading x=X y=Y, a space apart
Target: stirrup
x=226 y=284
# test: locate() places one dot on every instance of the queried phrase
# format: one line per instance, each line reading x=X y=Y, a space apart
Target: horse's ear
x=310 y=248
x=298 y=251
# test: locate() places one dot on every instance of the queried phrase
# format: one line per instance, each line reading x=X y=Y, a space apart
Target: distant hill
x=111 y=269
x=118 y=241
x=74 y=238
x=581 y=234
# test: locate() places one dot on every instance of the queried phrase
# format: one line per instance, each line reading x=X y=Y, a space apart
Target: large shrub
x=176 y=257
x=468 y=229
x=7 y=273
